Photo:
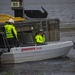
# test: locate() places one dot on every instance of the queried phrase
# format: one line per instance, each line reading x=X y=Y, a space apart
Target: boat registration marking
x=32 y=48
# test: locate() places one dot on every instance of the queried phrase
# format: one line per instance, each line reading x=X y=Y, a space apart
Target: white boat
x=37 y=52
x=33 y=53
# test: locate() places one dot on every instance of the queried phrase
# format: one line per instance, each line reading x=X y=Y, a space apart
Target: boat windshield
x=26 y=39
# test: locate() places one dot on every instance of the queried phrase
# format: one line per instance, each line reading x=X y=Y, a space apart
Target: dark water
x=60 y=66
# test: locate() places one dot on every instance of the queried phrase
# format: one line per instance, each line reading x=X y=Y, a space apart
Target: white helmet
x=41 y=30
x=11 y=20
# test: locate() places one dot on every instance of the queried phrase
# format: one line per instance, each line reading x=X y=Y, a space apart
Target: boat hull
x=34 y=53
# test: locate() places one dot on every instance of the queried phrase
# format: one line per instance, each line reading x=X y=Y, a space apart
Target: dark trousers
x=13 y=42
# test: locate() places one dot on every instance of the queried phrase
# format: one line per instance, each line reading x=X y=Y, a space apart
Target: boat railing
x=3 y=42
